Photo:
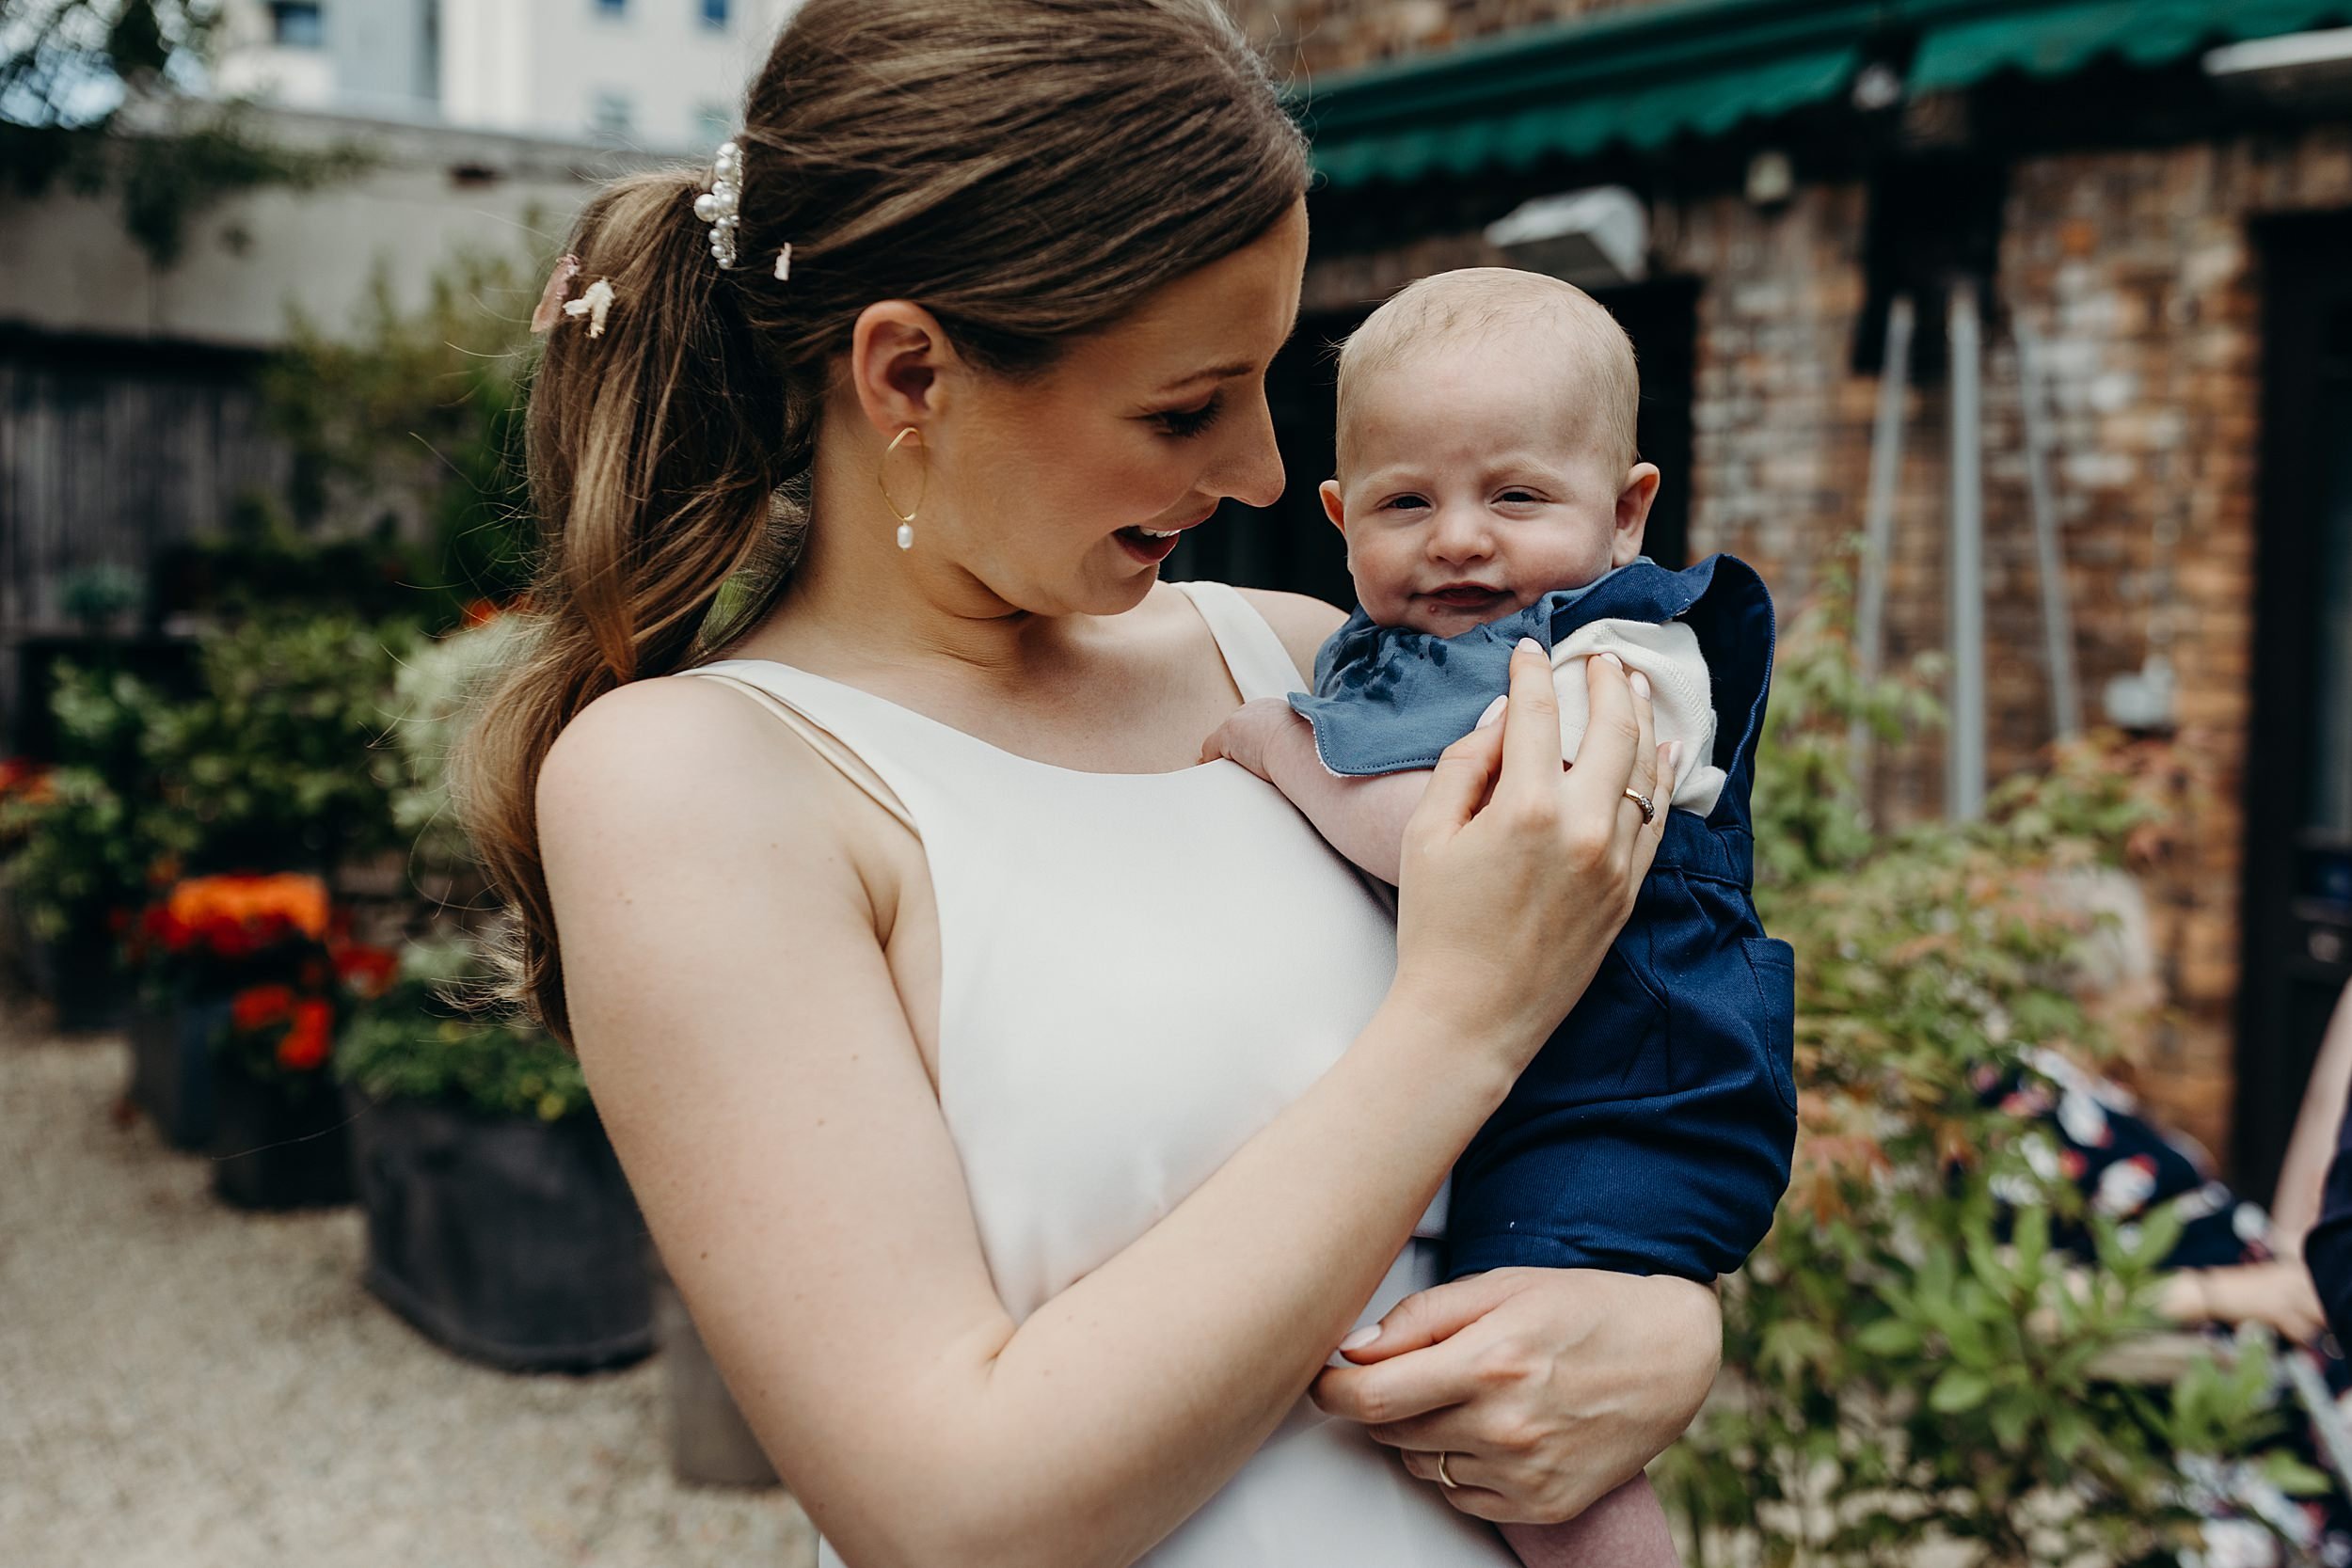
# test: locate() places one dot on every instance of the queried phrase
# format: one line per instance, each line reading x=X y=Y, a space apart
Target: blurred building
x=131 y=410
x=2154 y=199
x=666 y=74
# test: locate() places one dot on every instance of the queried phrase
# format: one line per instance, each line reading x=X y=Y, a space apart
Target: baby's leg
x=1625 y=1529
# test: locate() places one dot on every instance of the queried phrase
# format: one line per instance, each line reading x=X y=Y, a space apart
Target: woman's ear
x=1333 y=507
x=900 y=364
x=1633 y=504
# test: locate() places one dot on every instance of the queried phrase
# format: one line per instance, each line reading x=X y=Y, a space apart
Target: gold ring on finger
x=1443 y=1480
x=1649 y=807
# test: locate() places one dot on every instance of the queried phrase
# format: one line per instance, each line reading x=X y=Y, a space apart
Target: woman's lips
x=1150 y=549
x=1151 y=546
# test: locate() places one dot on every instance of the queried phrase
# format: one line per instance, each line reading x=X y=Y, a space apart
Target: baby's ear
x=1332 y=506
x=1633 y=504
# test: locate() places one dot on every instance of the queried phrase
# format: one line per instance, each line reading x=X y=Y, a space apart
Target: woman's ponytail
x=659 y=453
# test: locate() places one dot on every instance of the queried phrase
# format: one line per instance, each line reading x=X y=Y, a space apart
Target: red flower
x=306 y=1044
x=312 y=975
x=256 y=1005
x=480 y=611
x=367 y=970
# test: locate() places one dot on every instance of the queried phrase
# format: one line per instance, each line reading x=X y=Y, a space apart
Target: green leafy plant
x=276 y=763
x=1915 y=1359
x=87 y=846
x=420 y=1041
x=437 y=677
x=419 y=411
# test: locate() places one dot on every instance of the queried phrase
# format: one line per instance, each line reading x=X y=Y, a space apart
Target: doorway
x=2297 y=918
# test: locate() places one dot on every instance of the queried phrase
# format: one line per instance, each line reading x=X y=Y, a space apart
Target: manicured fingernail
x=1674 y=758
x=1494 y=711
x=1362 y=1336
x=1641 y=685
x=1529 y=645
x=1615 y=659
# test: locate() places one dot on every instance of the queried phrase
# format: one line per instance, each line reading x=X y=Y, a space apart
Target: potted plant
x=499 y=1221
x=79 y=848
x=281 y=1135
x=242 y=980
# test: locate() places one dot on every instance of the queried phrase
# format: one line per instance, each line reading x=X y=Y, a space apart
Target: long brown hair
x=1029 y=170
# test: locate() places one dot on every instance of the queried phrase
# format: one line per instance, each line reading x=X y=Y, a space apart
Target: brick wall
x=1307 y=37
x=2137 y=271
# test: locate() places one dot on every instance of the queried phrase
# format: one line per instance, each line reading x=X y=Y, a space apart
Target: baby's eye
x=1524 y=496
x=1408 y=501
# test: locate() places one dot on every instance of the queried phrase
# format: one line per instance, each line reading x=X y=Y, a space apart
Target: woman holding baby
x=1026 y=1109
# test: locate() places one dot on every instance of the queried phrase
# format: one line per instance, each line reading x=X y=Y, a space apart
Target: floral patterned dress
x=2094 y=1135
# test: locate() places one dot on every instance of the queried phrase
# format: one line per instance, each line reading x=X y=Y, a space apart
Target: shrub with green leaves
x=278 y=764
x=88 y=844
x=1915 y=1361
x=416 y=1043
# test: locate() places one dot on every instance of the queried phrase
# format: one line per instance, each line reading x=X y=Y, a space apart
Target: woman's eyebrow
x=1219 y=373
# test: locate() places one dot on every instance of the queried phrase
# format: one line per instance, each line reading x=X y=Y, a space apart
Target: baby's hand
x=1245 y=736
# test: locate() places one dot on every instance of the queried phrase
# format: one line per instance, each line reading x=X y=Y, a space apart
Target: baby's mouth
x=1466 y=595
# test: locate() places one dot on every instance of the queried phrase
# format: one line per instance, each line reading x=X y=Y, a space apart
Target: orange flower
x=296 y=897
x=306 y=1044
x=256 y=1006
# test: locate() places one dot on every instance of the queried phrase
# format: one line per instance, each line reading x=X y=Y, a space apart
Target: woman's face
x=1081 y=480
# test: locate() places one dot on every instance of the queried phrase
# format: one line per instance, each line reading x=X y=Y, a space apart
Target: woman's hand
x=1544 y=1388
x=1516 y=877
x=2279 y=1294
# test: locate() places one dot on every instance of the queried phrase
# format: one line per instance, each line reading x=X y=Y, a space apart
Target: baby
x=1489 y=490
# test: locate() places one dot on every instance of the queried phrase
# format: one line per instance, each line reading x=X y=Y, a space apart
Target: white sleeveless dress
x=1101 y=1055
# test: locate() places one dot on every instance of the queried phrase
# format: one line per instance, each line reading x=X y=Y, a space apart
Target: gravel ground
x=187 y=1385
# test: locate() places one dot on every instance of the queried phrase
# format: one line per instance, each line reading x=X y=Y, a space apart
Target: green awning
x=1576 y=124
x=2045 y=39
x=1641 y=78
x=1637 y=78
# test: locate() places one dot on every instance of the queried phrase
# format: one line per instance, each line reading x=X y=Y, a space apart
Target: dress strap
x=823 y=742
x=1253 y=650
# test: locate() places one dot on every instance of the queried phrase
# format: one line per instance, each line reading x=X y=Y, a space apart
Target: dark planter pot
x=279 y=1144
x=81 y=976
x=710 y=1443
x=511 y=1242
x=173 y=1076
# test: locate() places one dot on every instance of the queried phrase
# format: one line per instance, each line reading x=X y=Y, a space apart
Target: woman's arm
x=736 y=1012
x=2304 y=1172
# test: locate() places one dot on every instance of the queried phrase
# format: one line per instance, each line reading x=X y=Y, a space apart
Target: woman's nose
x=1252 y=470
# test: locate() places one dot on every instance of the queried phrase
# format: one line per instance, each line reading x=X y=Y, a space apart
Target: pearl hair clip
x=717 y=206
x=720 y=207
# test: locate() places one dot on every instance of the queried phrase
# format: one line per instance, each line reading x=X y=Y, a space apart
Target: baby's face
x=1479 y=479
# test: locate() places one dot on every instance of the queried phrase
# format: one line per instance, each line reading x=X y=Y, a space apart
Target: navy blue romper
x=1652 y=1132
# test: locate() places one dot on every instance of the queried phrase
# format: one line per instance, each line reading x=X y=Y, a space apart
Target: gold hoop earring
x=906 y=518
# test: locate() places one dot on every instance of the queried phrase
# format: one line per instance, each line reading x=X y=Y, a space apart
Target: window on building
x=714 y=14
x=609 y=114
x=296 y=25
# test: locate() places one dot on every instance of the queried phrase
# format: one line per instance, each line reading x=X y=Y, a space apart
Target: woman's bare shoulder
x=684 y=761
x=1300 y=620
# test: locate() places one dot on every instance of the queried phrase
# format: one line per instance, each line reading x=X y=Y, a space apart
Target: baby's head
x=1485 y=448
